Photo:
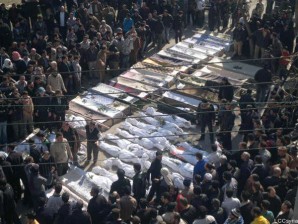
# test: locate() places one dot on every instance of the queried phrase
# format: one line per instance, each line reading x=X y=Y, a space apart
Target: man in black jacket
x=79 y=216
x=154 y=172
x=226 y=90
x=61 y=18
x=9 y=208
x=226 y=123
x=120 y=184
x=3 y=120
x=42 y=108
x=97 y=206
x=138 y=186
x=92 y=134
x=263 y=80
x=167 y=22
x=65 y=210
x=16 y=160
x=206 y=117
x=159 y=29
x=178 y=26
x=239 y=38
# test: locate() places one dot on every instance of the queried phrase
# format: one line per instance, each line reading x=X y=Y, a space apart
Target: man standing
x=138 y=187
x=128 y=205
x=97 y=206
x=60 y=150
x=55 y=79
x=159 y=29
x=78 y=215
x=226 y=90
x=96 y=9
x=55 y=201
x=200 y=13
x=61 y=18
x=226 y=123
x=16 y=161
x=167 y=20
x=3 y=120
x=71 y=136
x=120 y=184
x=178 y=26
x=154 y=172
x=206 y=117
x=238 y=37
x=199 y=168
x=9 y=206
x=92 y=134
x=263 y=80
x=91 y=58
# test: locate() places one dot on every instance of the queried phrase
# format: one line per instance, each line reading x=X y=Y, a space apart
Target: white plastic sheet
x=141 y=125
x=145 y=142
x=185 y=169
x=81 y=182
x=122 y=143
x=103 y=172
x=180 y=122
x=149 y=120
x=178 y=180
x=109 y=163
x=139 y=151
x=75 y=121
x=115 y=151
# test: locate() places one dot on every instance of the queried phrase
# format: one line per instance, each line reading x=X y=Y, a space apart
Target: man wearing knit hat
x=234 y=217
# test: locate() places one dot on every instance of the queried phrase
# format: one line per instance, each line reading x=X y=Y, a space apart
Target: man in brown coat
x=128 y=205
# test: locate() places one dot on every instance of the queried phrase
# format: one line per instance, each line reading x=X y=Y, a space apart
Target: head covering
x=7 y=63
x=16 y=56
x=166 y=175
x=41 y=90
x=119 y=30
x=208 y=176
x=235 y=212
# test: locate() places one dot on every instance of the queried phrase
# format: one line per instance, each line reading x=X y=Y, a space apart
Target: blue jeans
x=3 y=133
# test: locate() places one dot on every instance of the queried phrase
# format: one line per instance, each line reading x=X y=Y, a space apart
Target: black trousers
x=178 y=35
x=226 y=139
x=92 y=148
x=155 y=188
x=208 y=124
x=62 y=168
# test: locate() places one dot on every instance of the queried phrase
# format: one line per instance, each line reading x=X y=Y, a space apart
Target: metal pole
x=295 y=217
x=296 y=17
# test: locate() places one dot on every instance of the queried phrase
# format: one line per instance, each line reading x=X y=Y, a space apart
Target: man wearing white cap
x=234 y=217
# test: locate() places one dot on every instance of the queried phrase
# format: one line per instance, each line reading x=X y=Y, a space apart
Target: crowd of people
x=47 y=51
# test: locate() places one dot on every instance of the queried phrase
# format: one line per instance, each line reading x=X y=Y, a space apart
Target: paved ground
x=193 y=139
